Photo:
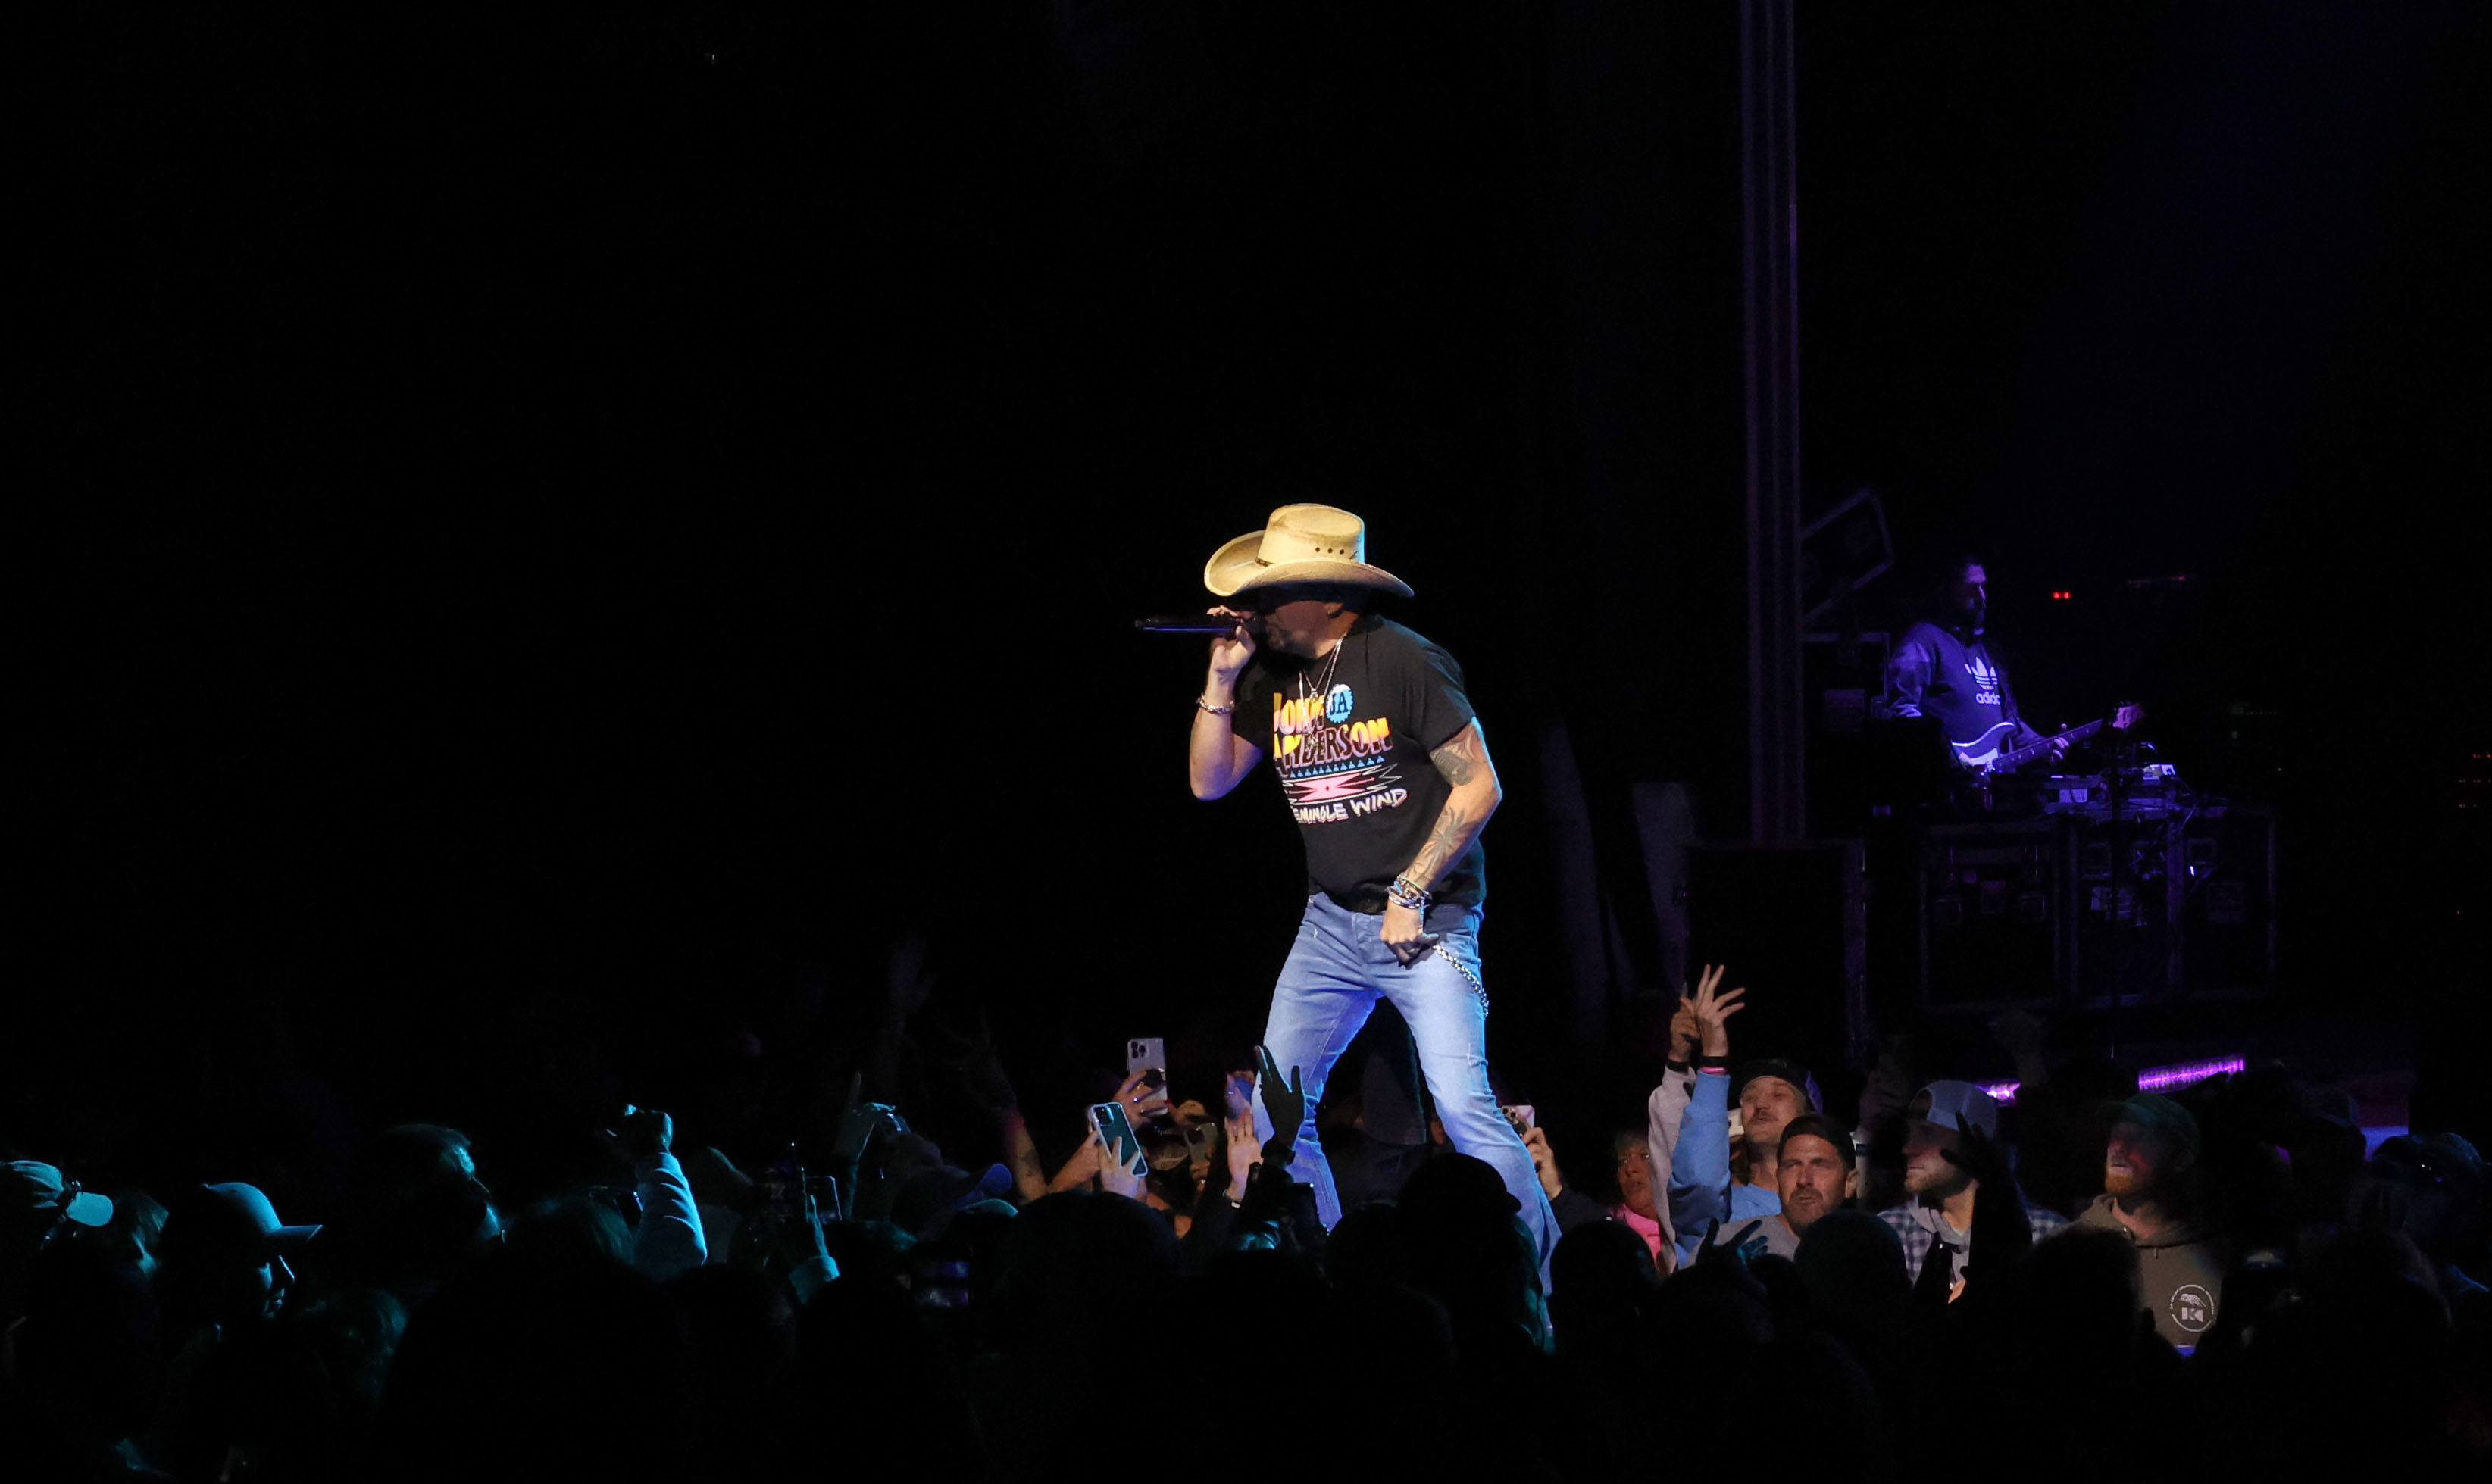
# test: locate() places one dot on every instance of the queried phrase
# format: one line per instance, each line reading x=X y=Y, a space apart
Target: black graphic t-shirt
x=1353 y=758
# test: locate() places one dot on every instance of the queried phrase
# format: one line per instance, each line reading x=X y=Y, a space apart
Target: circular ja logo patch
x=1337 y=704
x=2193 y=1308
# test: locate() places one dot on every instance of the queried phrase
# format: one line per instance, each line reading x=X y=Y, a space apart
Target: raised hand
x=1082 y=1167
x=1236 y=1154
x=1143 y=1101
x=1229 y=654
x=1711 y=1008
x=641 y=1132
x=1733 y=1252
x=1284 y=1105
x=1544 y=1161
x=1682 y=1032
x=1121 y=1179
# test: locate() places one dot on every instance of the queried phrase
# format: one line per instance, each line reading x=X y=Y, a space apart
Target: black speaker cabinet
x=2227 y=912
x=1994 y=913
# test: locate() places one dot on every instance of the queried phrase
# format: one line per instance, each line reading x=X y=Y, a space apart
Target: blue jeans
x=1329 y=988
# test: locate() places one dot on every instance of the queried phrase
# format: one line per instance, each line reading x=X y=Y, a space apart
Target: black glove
x=1285 y=1105
x=1743 y=1245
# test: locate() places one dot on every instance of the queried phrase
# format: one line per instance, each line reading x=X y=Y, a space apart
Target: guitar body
x=1983 y=751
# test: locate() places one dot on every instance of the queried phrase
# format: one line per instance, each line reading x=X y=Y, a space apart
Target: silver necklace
x=1332 y=662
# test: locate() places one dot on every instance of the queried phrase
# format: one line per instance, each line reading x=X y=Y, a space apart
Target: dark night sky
x=636 y=507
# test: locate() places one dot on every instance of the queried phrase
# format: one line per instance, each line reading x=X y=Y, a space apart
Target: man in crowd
x=36 y=1204
x=2149 y=1167
x=1769 y=1093
x=1813 y=1174
x=1936 y=1217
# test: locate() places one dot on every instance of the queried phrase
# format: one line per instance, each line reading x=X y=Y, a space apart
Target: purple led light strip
x=2180 y=1073
x=2183 y=1074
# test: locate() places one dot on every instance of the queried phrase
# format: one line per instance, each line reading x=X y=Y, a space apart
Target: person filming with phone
x=1383 y=765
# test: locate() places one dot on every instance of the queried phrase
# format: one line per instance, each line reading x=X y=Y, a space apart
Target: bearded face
x=1812 y=1179
x=1926 y=1170
x=2136 y=1159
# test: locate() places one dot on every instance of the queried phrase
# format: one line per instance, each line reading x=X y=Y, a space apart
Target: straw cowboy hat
x=1300 y=543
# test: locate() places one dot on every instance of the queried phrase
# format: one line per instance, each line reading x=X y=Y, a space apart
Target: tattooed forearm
x=1463 y=760
x=1463 y=756
x=1029 y=1176
x=1456 y=827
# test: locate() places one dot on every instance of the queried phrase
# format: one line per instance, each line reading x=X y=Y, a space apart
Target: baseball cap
x=233 y=1224
x=1812 y=1125
x=31 y=1188
x=1784 y=1067
x=2156 y=1111
x=1953 y=1103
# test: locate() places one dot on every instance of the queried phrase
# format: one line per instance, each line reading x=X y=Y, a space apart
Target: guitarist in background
x=1944 y=669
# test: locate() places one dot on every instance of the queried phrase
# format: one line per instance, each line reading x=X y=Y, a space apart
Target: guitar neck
x=2024 y=754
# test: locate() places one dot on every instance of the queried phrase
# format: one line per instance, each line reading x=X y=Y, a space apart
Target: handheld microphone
x=1199 y=625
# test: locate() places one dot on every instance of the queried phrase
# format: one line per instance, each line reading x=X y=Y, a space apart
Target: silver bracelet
x=1201 y=705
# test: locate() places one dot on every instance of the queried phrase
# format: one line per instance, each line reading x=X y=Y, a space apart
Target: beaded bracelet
x=1202 y=705
x=1403 y=892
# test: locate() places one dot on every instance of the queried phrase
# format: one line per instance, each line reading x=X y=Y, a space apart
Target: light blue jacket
x=1701 y=1191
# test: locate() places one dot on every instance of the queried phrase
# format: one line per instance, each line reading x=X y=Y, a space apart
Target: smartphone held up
x=1146 y=1057
x=1124 y=1147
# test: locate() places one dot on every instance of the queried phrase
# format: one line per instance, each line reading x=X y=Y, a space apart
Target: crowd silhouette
x=797 y=1273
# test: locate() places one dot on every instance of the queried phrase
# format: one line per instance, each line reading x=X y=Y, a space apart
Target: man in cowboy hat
x=1383 y=764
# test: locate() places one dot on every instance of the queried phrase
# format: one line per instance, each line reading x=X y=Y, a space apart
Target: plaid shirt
x=1923 y=1227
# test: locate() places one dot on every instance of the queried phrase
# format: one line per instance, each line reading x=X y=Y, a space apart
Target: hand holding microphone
x=1230 y=651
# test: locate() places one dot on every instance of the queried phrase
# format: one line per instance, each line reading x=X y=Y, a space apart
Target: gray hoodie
x=2180 y=1267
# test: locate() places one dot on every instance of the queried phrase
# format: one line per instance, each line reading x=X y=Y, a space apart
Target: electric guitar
x=1982 y=756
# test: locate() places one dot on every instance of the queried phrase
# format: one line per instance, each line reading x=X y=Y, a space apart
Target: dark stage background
x=623 y=517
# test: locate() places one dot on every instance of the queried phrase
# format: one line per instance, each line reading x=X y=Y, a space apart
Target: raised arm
x=1665 y=1110
x=1216 y=756
x=669 y=1240
x=1700 y=1162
